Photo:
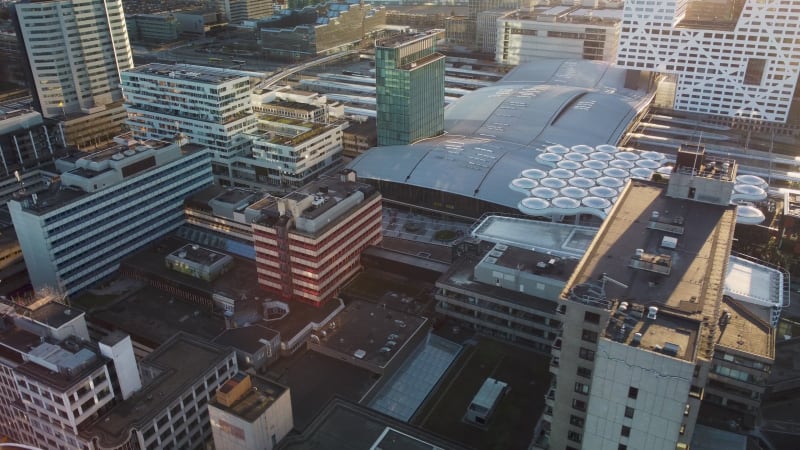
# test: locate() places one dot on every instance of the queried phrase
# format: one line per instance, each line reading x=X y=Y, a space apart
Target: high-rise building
x=648 y=331
x=209 y=106
x=309 y=243
x=409 y=81
x=731 y=58
x=105 y=205
x=76 y=50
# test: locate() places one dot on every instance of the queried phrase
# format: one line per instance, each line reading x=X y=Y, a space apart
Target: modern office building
x=237 y=11
x=732 y=58
x=209 y=106
x=648 y=332
x=75 y=51
x=250 y=412
x=409 y=81
x=13 y=69
x=105 y=205
x=27 y=141
x=558 y=32
x=308 y=244
x=289 y=153
x=158 y=28
x=326 y=29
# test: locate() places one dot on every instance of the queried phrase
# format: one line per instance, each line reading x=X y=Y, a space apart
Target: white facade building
x=729 y=58
x=106 y=205
x=250 y=412
x=76 y=50
x=208 y=105
x=237 y=11
x=558 y=32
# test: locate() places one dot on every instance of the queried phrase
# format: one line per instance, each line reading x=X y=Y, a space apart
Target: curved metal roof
x=494 y=133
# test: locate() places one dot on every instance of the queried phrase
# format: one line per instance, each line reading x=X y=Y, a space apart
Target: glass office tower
x=410 y=88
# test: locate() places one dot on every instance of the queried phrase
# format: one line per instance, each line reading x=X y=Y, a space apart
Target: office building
x=237 y=11
x=308 y=244
x=62 y=390
x=325 y=29
x=409 y=81
x=557 y=32
x=75 y=75
x=27 y=141
x=731 y=58
x=648 y=330
x=106 y=205
x=158 y=28
x=250 y=412
x=210 y=106
x=13 y=69
x=289 y=153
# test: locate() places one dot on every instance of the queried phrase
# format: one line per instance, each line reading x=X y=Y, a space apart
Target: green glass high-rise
x=410 y=88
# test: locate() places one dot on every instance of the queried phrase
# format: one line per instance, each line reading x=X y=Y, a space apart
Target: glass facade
x=410 y=90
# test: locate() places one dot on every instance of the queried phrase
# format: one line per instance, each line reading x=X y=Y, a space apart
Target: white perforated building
x=733 y=58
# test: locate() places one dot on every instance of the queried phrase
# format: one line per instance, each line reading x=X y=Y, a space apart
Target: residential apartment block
x=309 y=242
x=731 y=58
x=104 y=206
x=210 y=106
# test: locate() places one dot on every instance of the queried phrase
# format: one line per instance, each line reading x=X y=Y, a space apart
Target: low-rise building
x=250 y=412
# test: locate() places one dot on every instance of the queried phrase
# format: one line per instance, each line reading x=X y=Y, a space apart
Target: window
x=626 y=431
x=629 y=412
x=586 y=354
x=591 y=317
x=574 y=436
x=584 y=372
x=577 y=421
x=580 y=405
x=589 y=336
x=633 y=393
x=622 y=447
x=581 y=388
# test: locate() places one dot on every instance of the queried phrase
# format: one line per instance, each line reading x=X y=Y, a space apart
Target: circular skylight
x=561 y=173
x=616 y=172
x=574 y=192
x=595 y=164
x=565 y=203
x=555 y=183
x=611 y=182
x=655 y=156
x=606 y=148
x=523 y=185
x=575 y=156
x=628 y=156
x=641 y=172
x=570 y=165
x=621 y=164
x=533 y=174
x=600 y=156
x=596 y=202
x=582 y=148
x=532 y=205
x=544 y=192
x=557 y=149
x=581 y=182
x=603 y=191
x=588 y=172
x=751 y=179
x=648 y=163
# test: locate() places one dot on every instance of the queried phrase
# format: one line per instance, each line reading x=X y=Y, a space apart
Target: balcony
x=550 y=397
x=554 y=366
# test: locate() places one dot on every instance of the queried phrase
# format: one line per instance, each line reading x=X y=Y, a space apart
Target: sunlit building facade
x=309 y=243
x=410 y=88
x=737 y=59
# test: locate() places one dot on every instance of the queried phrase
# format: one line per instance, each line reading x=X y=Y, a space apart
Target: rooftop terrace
x=252 y=403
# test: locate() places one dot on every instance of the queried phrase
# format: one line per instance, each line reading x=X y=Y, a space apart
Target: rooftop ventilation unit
x=652 y=312
x=637 y=339
x=669 y=242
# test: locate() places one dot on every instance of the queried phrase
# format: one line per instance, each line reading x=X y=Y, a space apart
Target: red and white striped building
x=308 y=244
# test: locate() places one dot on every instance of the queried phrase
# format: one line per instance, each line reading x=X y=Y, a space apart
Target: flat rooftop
x=345 y=424
x=461 y=276
x=255 y=401
x=532 y=262
x=563 y=240
x=81 y=358
x=246 y=338
x=628 y=255
x=746 y=331
x=54 y=314
x=371 y=331
x=403 y=39
x=183 y=361
x=196 y=74
x=153 y=316
x=198 y=255
x=569 y=14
